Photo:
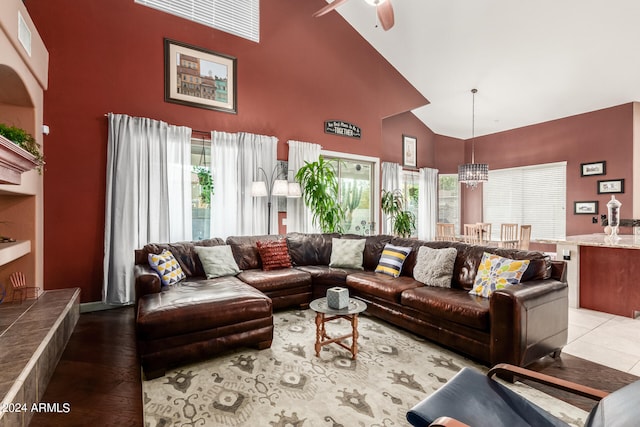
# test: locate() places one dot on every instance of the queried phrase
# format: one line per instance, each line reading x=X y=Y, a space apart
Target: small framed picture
x=586 y=208
x=199 y=78
x=595 y=168
x=409 y=156
x=611 y=186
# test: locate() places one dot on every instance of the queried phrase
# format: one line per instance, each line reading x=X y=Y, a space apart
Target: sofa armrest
x=147 y=281
x=528 y=321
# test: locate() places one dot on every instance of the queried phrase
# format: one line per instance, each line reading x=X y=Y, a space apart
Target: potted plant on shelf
x=403 y=222
x=319 y=185
x=25 y=141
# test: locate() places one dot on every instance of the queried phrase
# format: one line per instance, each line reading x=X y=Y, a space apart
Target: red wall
x=407 y=124
x=107 y=56
x=600 y=135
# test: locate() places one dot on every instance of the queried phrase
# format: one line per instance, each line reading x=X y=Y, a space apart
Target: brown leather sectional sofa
x=201 y=317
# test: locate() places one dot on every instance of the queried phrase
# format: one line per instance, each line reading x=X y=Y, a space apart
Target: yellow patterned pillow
x=496 y=272
x=167 y=267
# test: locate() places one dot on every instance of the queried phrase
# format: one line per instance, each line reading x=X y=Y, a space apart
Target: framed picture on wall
x=199 y=77
x=409 y=155
x=611 y=186
x=586 y=208
x=595 y=168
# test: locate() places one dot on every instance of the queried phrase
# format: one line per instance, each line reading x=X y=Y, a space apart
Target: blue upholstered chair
x=471 y=398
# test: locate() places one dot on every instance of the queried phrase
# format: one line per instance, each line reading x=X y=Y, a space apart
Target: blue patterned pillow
x=392 y=259
x=496 y=272
x=167 y=267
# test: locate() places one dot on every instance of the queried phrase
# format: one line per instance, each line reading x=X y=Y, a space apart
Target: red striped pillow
x=274 y=254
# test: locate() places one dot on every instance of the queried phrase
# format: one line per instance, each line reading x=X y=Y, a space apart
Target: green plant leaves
x=320 y=193
x=403 y=222
x=205 y=179
x=24 y=140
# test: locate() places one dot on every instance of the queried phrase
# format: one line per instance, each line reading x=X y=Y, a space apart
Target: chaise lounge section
x=198 y=317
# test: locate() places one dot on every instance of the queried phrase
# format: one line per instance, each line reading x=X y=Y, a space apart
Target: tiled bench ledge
x=33 y=336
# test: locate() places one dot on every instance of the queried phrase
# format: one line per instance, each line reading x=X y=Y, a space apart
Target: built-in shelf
x=14 y=160
x=14 y=250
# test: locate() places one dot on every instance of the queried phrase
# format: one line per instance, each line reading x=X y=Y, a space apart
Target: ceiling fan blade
x=385 y=14
x=328 y=8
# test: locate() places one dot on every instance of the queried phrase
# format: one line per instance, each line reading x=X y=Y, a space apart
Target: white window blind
x=237 y=17
x=535 y=195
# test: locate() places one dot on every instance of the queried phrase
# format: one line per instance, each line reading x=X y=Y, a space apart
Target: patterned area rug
x=287 y=385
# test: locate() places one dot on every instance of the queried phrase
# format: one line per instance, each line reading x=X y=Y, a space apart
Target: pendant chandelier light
x=473 y=173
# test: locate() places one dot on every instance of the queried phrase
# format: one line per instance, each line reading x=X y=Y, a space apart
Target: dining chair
x=19 y=285
x=525 y=237
x=445 y=231
x=472 y=234
x=471 y=398
x=485 y=231
x=509 y=235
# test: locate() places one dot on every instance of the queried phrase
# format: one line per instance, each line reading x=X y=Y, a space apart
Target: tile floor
x=606 y=339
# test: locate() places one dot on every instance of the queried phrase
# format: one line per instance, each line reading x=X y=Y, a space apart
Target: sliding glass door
x=356 y=177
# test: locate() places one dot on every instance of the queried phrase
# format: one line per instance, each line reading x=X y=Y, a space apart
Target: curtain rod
x=206 y=132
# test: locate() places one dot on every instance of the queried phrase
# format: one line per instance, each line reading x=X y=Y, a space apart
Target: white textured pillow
x=434 y=267
x=347 y=253
x=217 y=261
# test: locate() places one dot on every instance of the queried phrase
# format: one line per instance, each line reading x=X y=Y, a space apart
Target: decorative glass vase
x=613 y=210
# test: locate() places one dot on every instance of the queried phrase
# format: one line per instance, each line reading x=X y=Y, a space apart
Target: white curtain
x=224 y=201
x=236 y=160
x=148 y=195
x=427 y=203
x=391 y=180
x=299 y=217
x=256 y=152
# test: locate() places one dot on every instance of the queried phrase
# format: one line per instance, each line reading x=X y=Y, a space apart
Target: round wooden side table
x=324 y=314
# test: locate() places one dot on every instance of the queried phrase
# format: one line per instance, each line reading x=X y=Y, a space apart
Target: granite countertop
x=598 y=239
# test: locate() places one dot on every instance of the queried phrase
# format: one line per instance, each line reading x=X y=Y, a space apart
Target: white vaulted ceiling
x=531 y=61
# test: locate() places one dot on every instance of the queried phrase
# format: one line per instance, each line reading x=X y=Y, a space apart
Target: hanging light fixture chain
x=473 y=125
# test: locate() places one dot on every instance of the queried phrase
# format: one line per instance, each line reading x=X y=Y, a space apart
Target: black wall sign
x=338 y=127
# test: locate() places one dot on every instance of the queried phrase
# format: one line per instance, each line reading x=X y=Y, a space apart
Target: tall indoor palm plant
x=320 y=188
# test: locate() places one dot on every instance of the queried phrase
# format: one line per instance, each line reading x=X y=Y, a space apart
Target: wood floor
x=99 y=375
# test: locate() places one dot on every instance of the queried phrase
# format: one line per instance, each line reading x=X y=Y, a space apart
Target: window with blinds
x=535 y=195
x=237 y=17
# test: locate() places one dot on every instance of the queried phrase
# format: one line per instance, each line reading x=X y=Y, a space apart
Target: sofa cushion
x=347 y=253
x=372 y=249
x=381 y=285
x=197 y=305
x=167 y=267
x=245 y=250
x=217 y=261
x=310 y=249
x=434 y=267
x=275 y=280
x=469 y=257
x=454 y=305
x=274 y=254
x=392 y=259
x=182 y=251
x=329 y=274
x=496 y=272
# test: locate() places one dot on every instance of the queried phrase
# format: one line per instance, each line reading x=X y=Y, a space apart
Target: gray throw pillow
x=347 y=253
x=217 y=261
x=434 y=267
